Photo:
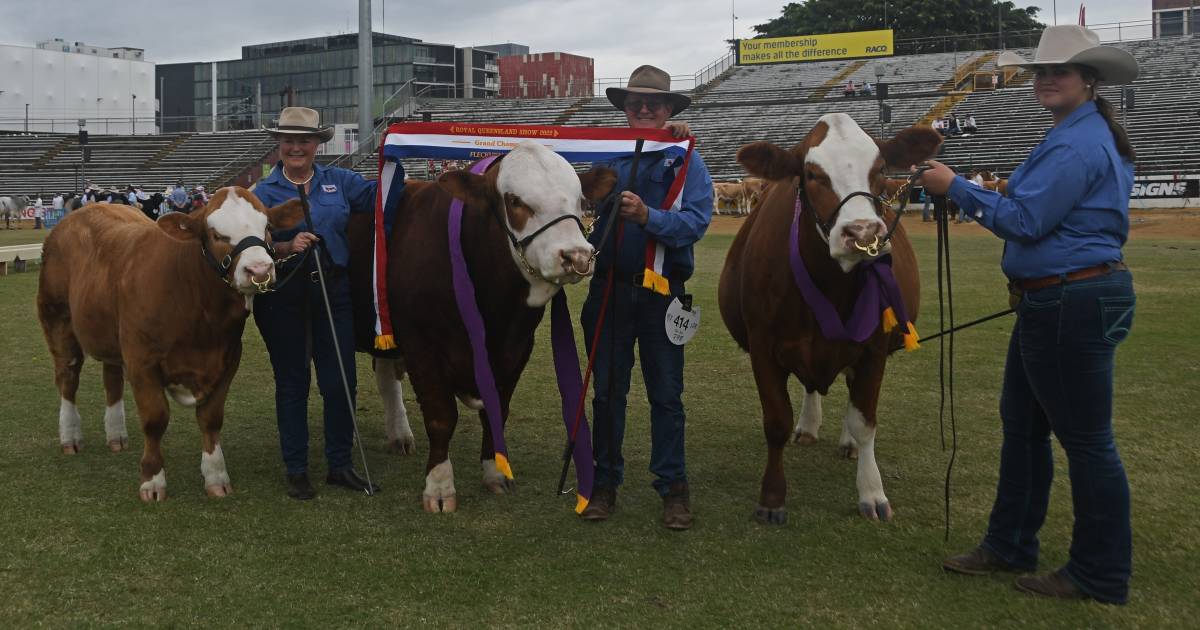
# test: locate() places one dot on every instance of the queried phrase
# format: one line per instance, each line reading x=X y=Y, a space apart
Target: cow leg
x=860 y=422
x=441 y=416
x=395 y=417
x=114 y=412
x=771 y=381
x=68 y=361
x=810 y=420
x=210 y=415
x=154 y=413
x=493 y=479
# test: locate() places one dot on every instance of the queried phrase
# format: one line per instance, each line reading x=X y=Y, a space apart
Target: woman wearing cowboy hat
x=293 y=321
x=1064 y=221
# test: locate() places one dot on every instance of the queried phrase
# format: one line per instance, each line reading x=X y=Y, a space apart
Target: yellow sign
x=815 y=47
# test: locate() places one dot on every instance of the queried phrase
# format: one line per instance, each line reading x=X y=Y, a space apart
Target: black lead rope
x=946 y=359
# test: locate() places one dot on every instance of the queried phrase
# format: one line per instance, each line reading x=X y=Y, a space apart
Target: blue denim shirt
x=677 y=230
x=333 y=194
x=1068 y=204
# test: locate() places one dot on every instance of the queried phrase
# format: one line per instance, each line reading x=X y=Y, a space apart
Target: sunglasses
x=635 y=105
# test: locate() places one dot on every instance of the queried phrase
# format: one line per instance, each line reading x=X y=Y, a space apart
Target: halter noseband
x=223 y=266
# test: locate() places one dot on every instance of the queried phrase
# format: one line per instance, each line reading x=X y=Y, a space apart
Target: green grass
x=80 y=549
x=22 y=236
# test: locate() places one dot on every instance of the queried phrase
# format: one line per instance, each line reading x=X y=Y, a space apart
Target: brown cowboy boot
x=978 y=561
x=1055 y=585
x=602 y=504
x=677 y=510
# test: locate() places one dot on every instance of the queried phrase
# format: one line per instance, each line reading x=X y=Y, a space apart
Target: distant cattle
x=162 y=304
x=824 y=203
x=525 y=193
x=11 y=208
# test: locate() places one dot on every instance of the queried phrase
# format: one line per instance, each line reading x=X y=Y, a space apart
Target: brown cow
x=148 y=302
x=524 y=191
x=764 y=310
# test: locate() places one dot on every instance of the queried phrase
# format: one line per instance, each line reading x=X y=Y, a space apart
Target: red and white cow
x=763 y=308
x=522 y=192
x=146 y=300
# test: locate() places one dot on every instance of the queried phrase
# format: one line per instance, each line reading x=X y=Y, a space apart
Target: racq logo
x=1143 y=190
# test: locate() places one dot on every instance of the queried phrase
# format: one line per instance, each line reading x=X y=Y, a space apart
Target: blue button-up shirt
x=677 y=230
x=1068 y=204
x=333 y=194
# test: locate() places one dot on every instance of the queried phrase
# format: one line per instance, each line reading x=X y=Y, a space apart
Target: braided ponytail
x=1106 y=110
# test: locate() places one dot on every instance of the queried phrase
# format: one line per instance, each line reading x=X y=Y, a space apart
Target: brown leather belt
x=1102 y=269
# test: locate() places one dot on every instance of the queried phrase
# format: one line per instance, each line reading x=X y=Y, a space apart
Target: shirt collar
x=1088 y=107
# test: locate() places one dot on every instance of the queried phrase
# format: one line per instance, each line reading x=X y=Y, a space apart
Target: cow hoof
x=406 y=445
x=848 y=452
x=770 y=516
x=152 y=495
x=117 y=445
x=219 y=490
x=503 y=485
x=434 y=505
x=71 y=448
x=881 y=511
x=805 y=439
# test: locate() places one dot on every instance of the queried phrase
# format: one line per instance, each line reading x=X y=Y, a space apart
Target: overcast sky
x=680 y=36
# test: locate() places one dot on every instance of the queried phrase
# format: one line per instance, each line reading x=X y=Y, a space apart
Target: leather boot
x=298 y=487
x=601 y=506
x=1055 y=585
x=978 y=561
x=677 y=508
x=349 y=479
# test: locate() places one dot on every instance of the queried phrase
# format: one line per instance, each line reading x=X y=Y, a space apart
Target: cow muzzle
x=863 y=235
x=578 y=261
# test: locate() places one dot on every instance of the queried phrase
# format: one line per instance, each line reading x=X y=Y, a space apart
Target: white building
x=52 y=87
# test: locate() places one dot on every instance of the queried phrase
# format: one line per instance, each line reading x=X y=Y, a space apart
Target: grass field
x=81 y=550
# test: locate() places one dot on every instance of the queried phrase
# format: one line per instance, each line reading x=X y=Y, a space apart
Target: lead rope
x=946 y=359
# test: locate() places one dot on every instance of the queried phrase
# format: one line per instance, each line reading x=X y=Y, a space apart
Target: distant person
x=868 y=89
x=39 y=212
x=179 y=199
x=952 y=128
x=969 y=126
x=849 y=89
x=927 y=206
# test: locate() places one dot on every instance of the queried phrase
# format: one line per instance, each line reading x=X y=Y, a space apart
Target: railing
x=714 y=69
x=399 y=104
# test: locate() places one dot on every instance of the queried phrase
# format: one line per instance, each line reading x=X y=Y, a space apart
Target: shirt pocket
x=1116 y=317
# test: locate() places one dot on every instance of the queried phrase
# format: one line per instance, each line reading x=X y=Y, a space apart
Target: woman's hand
x=678 y=128
x=297 y=244
x=937 y=179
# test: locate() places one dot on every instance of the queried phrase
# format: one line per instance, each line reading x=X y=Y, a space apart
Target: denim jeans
x=1059 y=378
x=926 y=212
x=637 y=315
x=280 y=318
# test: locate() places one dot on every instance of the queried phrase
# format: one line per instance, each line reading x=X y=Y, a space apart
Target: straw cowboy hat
x=648 y=80
x=1078 y=45
x=300 y=121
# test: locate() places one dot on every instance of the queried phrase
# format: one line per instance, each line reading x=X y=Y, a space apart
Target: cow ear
x=471 y=188
x=181 y=225
x=286 y=215
x=910 y=146
x=597 y=183
x=766 y=160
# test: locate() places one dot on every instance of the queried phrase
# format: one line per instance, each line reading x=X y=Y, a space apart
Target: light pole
x=162 y=111
x=133 y=115
x=26 y=117
x=879 y=90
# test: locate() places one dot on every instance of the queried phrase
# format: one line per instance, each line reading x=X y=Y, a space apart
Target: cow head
x=232 y=216
x=541 y=199
x=841 y=178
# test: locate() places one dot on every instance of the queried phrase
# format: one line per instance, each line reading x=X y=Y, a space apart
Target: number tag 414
x=683 y=320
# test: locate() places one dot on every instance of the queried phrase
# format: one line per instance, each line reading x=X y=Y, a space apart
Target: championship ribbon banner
x=815 y=47
x=470 y=141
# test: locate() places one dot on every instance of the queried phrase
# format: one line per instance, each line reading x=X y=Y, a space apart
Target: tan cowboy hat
x=648 y=80
x=300 y=121
x=1076 y=44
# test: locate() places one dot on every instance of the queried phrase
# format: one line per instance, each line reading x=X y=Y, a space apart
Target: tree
x=908 y=18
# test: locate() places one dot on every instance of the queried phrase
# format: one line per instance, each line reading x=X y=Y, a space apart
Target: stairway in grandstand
x=836 y=80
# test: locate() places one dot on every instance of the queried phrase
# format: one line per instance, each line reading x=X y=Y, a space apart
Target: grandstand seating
x=773 y=102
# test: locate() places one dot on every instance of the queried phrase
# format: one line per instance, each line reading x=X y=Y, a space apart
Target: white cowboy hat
x=300 y=121
x=1075 y=44
x=648 y=80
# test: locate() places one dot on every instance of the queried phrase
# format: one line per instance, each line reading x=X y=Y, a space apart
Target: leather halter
x=225 y=265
